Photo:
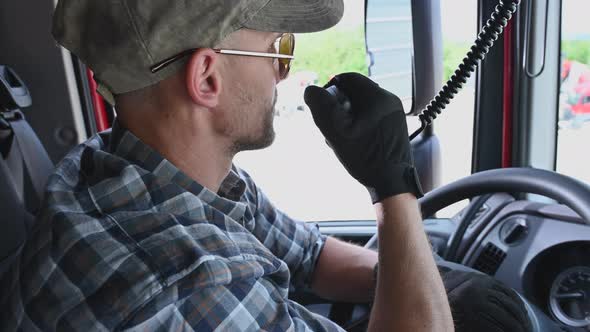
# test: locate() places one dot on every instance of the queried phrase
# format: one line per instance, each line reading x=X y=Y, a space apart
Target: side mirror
x=428 y=52
x=427 y=78
x=405 y=56
x=405 y=49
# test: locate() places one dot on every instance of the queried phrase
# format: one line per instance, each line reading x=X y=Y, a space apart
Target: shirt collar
x=229 y=199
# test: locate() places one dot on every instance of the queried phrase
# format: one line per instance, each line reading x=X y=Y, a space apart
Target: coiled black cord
x=485 y=40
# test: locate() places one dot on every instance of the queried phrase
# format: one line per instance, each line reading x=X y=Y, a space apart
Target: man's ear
x=203 y=81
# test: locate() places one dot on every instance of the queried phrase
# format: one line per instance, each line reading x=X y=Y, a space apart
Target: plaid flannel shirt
x=126 y=241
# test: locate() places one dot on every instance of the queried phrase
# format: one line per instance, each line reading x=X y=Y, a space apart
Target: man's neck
x=209 y=168
x=193 y=150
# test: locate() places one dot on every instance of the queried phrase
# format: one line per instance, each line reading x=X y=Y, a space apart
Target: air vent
x=490 y=259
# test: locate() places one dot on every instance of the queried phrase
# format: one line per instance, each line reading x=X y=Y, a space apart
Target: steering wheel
x=566 y=190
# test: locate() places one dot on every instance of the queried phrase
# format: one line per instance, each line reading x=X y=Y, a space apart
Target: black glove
x=369 y=136
x=481 y=303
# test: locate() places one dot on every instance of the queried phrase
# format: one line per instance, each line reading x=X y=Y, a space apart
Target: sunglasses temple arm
x=166 y=62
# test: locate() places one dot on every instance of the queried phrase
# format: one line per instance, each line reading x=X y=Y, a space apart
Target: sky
x=575 y=24
x=576 y=17
x=351 y=18
x=455 y=29
x=576 y=14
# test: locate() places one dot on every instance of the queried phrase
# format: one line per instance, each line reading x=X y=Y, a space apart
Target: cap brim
x=297 y=16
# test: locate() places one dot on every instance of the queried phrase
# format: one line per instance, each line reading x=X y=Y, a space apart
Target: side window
x=574 y=92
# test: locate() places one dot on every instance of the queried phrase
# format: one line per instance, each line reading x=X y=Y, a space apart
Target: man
x=151 y=227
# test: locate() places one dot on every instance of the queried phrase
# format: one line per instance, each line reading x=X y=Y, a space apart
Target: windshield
x=299 y=172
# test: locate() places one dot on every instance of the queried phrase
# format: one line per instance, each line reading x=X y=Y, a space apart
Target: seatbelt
x=24 y=146
x=34 y=156
x=12 y=160
x=16 y=221
x=6 y=173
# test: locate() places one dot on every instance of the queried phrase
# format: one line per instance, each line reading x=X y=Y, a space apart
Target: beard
x=256 y=128
x=260 y=140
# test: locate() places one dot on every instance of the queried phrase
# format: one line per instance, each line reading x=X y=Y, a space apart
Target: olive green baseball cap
x=120 y=39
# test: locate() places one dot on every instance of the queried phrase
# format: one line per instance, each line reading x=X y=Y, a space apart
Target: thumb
x=321 y=103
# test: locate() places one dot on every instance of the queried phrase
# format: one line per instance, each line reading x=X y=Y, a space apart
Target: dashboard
x=540 y=250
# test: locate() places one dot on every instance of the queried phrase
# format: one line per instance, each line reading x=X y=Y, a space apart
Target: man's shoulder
x=96 y=195
x=94 y=181
x=108 y=266
x=112 y=235
x=85 y=166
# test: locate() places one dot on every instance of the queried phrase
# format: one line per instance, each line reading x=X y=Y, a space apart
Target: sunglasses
x=284 y=46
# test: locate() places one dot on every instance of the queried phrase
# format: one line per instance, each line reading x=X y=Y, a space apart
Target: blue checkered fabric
x=126 y=241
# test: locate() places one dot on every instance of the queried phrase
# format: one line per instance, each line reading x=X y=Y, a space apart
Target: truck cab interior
x=504 y=164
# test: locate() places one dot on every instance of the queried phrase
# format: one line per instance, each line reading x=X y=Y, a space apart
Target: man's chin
x=262 y=142
x=266 y=140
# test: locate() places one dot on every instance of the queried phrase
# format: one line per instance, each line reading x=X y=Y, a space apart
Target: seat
x=24 y=168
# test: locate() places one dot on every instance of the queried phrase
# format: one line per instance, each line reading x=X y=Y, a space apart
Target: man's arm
x=366 y=127
x=341 y=265
x=410 y=295
x=406 y=261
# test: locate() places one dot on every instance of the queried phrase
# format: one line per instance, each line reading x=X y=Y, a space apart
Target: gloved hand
x=481 y=303
x=370 y=138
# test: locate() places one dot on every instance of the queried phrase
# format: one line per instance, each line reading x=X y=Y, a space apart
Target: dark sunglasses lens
x=286 y=47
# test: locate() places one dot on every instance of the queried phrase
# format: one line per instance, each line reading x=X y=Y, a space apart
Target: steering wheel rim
x=564 y=189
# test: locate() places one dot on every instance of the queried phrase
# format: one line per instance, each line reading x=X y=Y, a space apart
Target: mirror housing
x=428 y=53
